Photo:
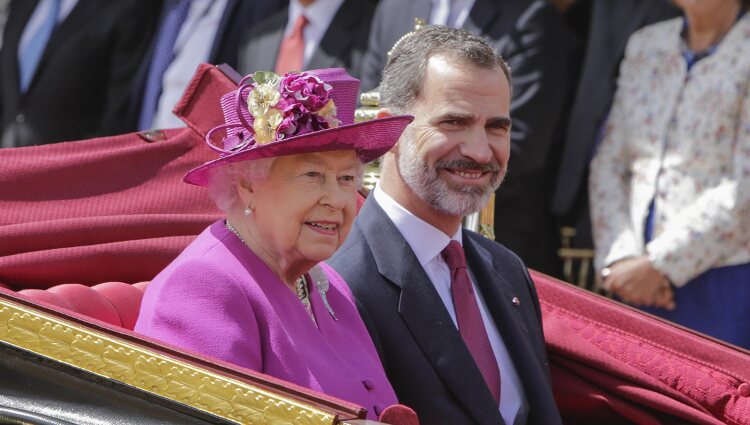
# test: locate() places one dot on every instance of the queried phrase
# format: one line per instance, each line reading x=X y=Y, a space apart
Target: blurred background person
x=670 y=182
x=309 y=34
x=68 y=66
x=190 y=32
x=534 y=40
x=610 y=24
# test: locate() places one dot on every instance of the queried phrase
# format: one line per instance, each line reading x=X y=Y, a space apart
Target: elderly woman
x=670 y=183
x=251 y=289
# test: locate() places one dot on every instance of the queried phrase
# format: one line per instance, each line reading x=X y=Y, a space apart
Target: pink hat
x=305 y=112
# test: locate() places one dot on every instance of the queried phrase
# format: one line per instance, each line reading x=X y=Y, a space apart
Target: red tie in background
x=292 y=50
x=470 y=323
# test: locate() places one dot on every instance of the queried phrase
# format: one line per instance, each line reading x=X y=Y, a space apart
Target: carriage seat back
x=116 y=303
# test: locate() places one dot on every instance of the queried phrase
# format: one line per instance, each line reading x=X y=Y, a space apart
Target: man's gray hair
x=404 y=72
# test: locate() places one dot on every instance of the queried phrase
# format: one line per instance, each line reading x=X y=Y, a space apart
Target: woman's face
x=305 y=208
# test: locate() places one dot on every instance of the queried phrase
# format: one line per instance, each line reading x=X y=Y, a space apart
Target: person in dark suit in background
x=533 y=39
x=458 y=346
x=67 y=67
x=3 y=18
x=309 y=34
x=190 y=32
x=611 y=24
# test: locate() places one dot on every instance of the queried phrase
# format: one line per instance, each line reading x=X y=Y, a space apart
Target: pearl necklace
x=300 y=285
x=233 y=230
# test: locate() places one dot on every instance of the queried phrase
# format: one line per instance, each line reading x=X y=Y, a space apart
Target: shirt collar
x=425 y=240
x=319 y=14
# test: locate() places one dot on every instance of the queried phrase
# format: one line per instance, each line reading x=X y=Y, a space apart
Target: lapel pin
x=516 y=301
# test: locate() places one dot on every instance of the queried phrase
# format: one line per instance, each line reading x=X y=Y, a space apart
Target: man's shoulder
x=497 y=251
x=353 y=258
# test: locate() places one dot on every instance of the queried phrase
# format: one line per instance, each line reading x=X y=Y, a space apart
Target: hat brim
x=370 y=139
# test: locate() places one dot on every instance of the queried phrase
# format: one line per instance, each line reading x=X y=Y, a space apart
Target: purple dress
x=219 y=299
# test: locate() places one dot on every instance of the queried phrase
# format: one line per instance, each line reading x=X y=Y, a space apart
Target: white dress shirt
x=428 y=242
x=450 y=13
x=192 y=47
x=319 y=15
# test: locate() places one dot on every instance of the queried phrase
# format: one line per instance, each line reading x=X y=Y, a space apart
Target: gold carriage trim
x=158 y=374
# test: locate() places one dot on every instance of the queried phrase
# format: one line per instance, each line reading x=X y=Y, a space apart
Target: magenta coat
x=219 y=299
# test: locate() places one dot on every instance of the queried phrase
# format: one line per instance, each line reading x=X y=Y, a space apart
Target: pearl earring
x=248 y=211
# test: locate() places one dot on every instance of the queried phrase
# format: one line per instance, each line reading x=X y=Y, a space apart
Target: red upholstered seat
x=613 y=364
x=126 y=300
x=114 y=209
x=116 y=303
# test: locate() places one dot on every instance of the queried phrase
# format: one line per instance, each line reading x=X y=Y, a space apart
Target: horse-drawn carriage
x=85 y=225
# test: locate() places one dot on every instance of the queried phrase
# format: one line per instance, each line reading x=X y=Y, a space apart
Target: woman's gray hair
x=223 y=182
x=404 y=72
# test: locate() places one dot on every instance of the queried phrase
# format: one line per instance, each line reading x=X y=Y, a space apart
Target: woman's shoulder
x=656 y=36
x=206 y=264
x=663 y=28
x=212 y=245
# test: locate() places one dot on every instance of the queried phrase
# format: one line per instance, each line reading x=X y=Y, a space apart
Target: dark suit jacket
x=532 y=38
x=424 y=356
x=612 y=23
x=81 y=87
x=342 y=46
x=237 y=17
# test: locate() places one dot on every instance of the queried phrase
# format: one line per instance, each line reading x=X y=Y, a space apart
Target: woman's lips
x=324 y=227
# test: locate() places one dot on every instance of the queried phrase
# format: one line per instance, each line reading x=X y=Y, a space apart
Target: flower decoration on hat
x=281 y=107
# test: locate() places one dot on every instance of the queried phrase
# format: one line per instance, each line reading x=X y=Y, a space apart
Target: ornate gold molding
x=158 y=374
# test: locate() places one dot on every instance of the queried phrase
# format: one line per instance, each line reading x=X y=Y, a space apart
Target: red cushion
x=125 y=298
x=116 y=303
x=88 y=302
x=47 y=297
x=141 y=285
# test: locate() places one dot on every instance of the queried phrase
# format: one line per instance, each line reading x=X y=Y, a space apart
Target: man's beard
x=446 y=197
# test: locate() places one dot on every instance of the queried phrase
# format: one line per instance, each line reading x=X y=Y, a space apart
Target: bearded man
x=454 y=316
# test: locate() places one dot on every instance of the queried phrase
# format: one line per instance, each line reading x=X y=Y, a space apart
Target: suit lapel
x=20 y=14
x=338 y=37
x=498 y=294
x=231 y=10
x=263 y=49
x=424 y=314
x=84 y=11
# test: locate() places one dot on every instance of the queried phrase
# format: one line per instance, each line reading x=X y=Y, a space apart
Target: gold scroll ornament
x=113 y=358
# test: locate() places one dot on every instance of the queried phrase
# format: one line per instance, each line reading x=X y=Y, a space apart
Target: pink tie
x=292 y=50
x=470 y=323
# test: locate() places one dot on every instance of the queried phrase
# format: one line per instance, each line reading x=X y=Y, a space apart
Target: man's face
x=455 y=152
